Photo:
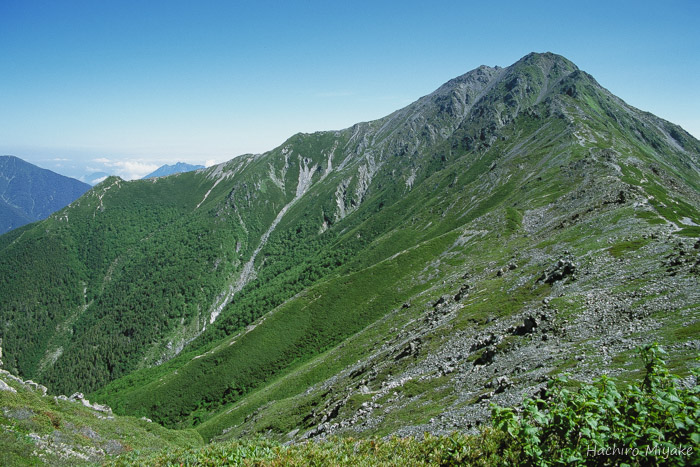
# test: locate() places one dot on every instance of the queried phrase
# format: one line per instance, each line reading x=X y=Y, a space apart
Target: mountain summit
x=177 y=168
x=394 y=277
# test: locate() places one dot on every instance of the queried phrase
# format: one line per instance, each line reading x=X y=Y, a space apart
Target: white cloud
x=127 y=169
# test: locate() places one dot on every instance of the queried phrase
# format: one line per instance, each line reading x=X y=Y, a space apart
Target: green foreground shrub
x=655 y=423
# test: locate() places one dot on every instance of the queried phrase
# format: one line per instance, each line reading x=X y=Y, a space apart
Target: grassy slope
x=37 y=430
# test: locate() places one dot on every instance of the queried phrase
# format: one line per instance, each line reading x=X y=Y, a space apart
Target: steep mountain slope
x=29 y=193
x=177 y=168
x=13 y=217
x=392 y=277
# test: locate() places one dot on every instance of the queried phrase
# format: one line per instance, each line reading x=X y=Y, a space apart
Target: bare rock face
x=78 y=396
x=29 y=384
x=36 y=387
x=6 y=387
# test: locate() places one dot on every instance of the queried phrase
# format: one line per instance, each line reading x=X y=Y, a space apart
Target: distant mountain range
x=180 y=167
x=29 y=193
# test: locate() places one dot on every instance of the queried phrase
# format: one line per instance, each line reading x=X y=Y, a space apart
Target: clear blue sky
x=130 y=85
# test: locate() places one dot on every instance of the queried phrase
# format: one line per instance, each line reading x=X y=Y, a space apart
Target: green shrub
x=655 y=423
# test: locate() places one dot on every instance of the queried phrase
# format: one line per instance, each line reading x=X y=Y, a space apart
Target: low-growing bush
x=652 y=423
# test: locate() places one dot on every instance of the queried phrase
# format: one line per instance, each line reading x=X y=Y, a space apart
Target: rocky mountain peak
x=515 y=223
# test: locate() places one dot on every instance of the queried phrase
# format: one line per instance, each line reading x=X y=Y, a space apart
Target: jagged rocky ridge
x=400 y=274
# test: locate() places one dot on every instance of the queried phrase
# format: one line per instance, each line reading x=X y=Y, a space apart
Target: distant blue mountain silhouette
x=29 y=193
x=173 y=169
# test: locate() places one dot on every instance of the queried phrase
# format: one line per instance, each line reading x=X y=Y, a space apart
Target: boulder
x=527 y=327
x=6 y=387
x=463 y=292
x=36 y=387
x=563 y=268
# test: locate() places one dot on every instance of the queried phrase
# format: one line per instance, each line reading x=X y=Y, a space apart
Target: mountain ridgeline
x=29 y=193
x=166 y=170
x=392 y=277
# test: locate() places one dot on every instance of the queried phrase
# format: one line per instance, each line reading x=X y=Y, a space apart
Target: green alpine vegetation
x=40 y=429
x=649 y=422
x=655 y=418
x=393 y=278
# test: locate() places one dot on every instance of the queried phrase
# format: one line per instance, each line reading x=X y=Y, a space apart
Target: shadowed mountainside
x=29 y=193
